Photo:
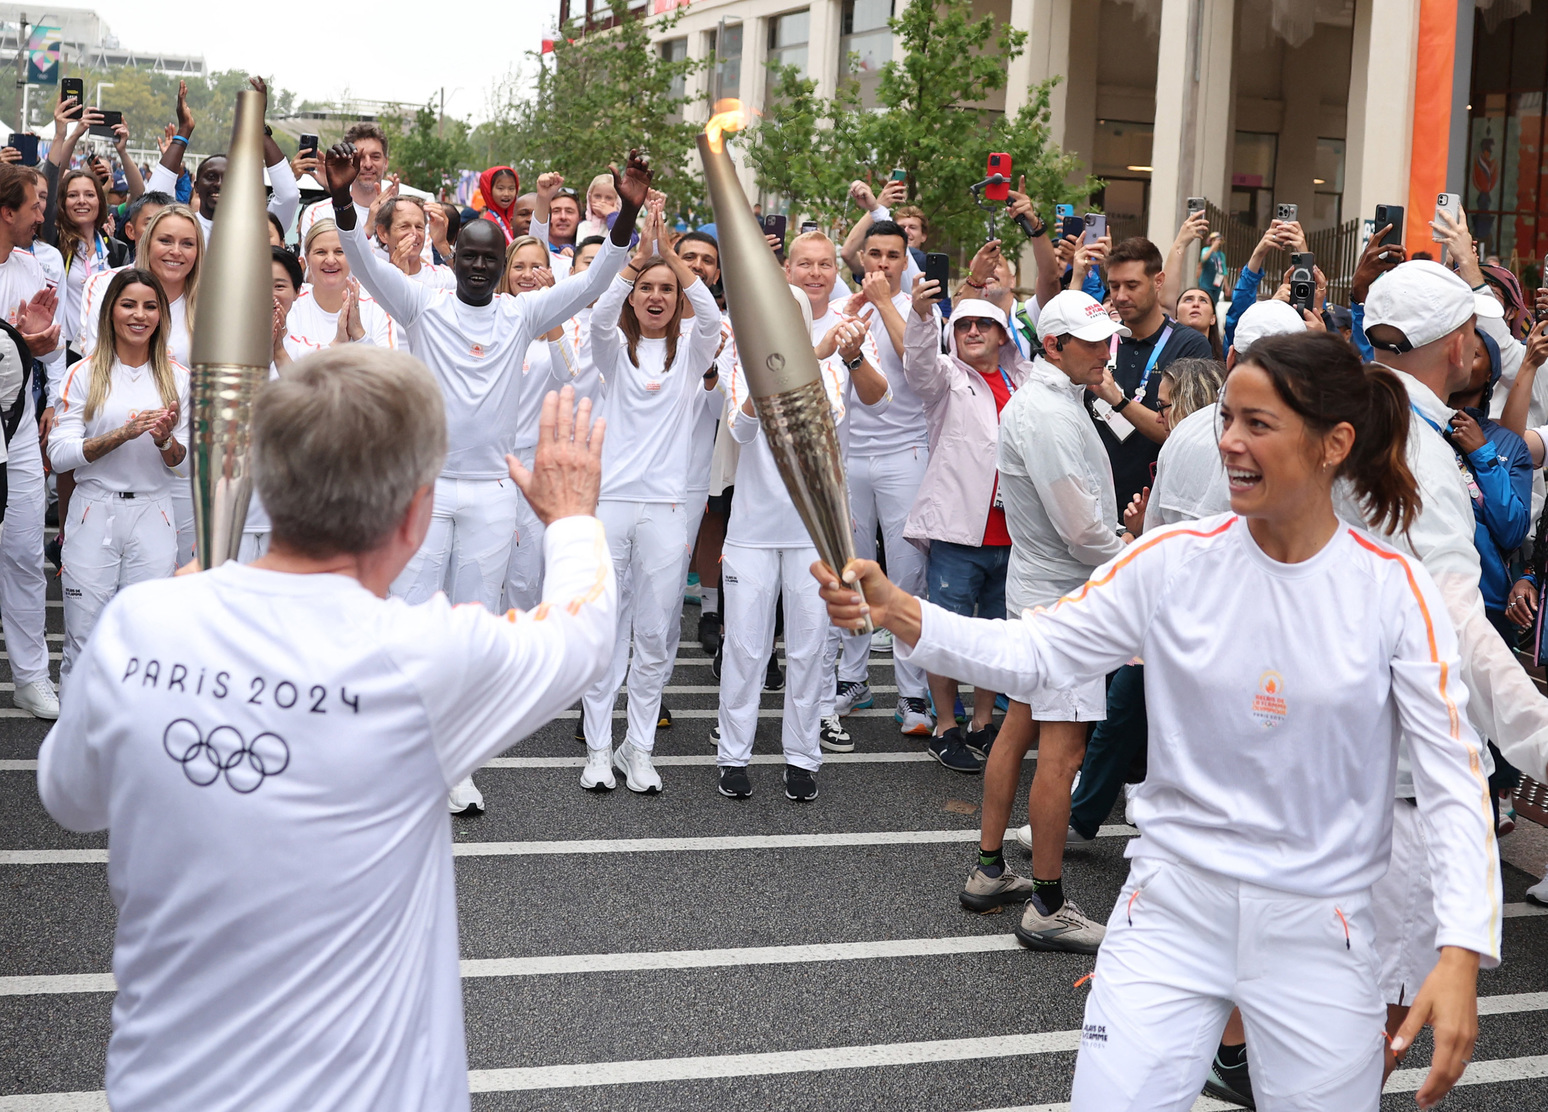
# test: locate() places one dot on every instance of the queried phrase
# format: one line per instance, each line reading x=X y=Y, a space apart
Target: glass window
x=728 y=64
x=788 y=35
x=676 y=50
x=865 y=45
x=1122 y=148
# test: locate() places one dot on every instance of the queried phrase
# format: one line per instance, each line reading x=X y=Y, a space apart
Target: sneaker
x=949 y=750
x=1024 y=835
x=913 y=717
x=881 y=641
x=639 y=774
x=985 y=894
x=691 y=590
x=715 y=735
x=709 y=632
x=1072 y=837
x=800 y=784
x=1507 y=823
x=664 y=718
x=597 y=776
x=1067 y=930
x=715 y=664
x=734 y=783
x=773 y=679
x=37 y=698
x=1128 y=804
x=981 y=741
x=580 y=729
x=465 y=797
x=1230 y=1083
x=52 y=551
x=833 y=737
x=853 y=695
x=1538 y=893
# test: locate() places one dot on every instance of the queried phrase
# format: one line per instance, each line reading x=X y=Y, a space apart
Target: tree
x=604 y=92
x=805 y=148
x=428 y=152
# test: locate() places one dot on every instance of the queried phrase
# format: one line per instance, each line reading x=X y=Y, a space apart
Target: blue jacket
x=1502 y=473
x=1244 y=295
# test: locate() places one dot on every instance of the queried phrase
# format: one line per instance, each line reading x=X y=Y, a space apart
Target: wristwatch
x=1123 y=401
x=854 y=364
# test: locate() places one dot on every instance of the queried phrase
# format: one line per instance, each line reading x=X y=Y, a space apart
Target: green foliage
x=806 y=148
x=603 y=93
x=428 y=151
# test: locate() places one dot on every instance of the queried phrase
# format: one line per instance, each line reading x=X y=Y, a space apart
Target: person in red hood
x=500 y=186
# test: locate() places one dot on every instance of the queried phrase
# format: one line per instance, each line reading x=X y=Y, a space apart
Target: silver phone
x=1096 y=226
x=1288 y=213
x=1449 y=203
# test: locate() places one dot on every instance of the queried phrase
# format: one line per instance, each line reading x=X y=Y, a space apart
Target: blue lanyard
x=1009 y=385
x=1150 y=365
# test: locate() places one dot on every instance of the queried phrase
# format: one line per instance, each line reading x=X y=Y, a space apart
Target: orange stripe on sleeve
x=1134 y=551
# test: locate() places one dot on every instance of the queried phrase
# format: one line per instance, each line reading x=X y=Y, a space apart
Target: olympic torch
x=232 y=342
x=776 y=353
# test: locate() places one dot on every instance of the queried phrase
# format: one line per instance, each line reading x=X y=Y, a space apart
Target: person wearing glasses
x=958 y=516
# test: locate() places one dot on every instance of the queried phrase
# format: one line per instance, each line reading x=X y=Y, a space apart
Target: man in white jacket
x=1057 y=486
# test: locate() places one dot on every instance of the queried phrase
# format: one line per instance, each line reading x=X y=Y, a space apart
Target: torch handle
x=859 y=590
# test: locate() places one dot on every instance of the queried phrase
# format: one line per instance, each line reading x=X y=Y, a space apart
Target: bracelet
x=1123 y=403
x=977 y=285
x=183 y=139
x=164 y=445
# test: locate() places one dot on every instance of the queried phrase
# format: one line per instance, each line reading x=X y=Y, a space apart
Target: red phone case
x=999 y=163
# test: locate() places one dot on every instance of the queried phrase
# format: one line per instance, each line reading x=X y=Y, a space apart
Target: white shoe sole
x=598 y=785
x=622 y=766
x=47 y=714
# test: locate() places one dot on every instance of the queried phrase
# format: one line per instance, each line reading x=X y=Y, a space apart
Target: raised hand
x=185 y=119
x=10 y=154
x=634 y=183
x=261 y=87
x=1376 y=260
x=876 y=288
x=861 y=194
x=894 y=193
x=342 y=166
x=566 y=474
x=984 y=263
x=548 y=185
x=121 y=137
x=355 y=326
x=925 y=295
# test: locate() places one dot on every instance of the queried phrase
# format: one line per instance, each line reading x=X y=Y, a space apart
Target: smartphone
x=1288 y=213
x=308 y=146
x=808 y=226
x=899 y=174
x=1061 y=211
x=27 y=145
x=1449 y=203
x=110 y=120
x=1303 y=282
x=937 y=268
x=1095 y=226
x=1196 y=204
x=1539 y=314
x=1000 y=164
x=1071 y=225
x=74 y=87
x=1390 y=214
x=775 y=226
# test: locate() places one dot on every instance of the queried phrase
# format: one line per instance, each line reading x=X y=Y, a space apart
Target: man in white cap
x=957 y=517
x=1420 y=318
x=1057 y=487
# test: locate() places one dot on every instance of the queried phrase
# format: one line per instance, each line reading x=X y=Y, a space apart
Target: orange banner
x=1432 y=117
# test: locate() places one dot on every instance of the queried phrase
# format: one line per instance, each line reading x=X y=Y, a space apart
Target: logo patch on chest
x=1269 y=707
x=477 y=351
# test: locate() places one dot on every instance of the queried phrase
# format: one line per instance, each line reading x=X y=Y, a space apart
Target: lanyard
x=1150 y=364
x=1009 y=385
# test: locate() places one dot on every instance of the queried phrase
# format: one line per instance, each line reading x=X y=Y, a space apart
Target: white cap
x=1487 y=305
x=1422 y=300
x=1076 y=313
x=977 y=307
x=1265 y=318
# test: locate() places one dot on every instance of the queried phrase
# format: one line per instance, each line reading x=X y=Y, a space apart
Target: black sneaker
x=52 y=550
x=664 y=719
x=580 y=727
x=773 y=679
x=949 y=750
x=709 y=632
x=715 y=665
x=800 y=785
x=734 y=783
x=981 y=741
x=1231 y=1083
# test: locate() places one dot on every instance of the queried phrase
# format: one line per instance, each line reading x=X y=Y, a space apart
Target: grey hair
x=1196 y=383
x=341 y=442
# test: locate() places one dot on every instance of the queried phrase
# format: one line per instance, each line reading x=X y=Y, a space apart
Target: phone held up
x=1289 y=214
x=1095 y=226
x=775 y=226
x=1071 y=225
x=808 y=226
x=937 y=268
x=308 y=148
x=1196 y=204
x=26 y=146
x=1303 y=281
x=899 y=174
x=1390 y=214
x=1451 y=205
x=110 y=119
x=999 y=166
x=73 y=87
x=1062 y=211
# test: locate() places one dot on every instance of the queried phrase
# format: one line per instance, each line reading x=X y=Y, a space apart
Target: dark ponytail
x=1321 y=378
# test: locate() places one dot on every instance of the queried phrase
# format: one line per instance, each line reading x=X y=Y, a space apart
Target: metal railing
x=1337 y=250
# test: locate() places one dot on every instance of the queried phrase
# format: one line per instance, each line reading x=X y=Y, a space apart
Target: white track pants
x=697 y=503
x=524 y=570
x=23 y=584
x=468 y=549
x=882 y=489
x=750 y=580
x=646 y=540
x=183 y=518
x=110 y=543
x=1189 y=944
x=255 y=544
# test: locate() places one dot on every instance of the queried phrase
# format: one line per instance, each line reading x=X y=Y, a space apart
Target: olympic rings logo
x=244 y=764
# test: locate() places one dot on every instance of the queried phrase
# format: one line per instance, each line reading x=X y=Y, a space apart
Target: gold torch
x=776 y=353
x=232 y=342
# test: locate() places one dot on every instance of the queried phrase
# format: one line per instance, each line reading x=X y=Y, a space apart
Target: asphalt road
x=773 y=971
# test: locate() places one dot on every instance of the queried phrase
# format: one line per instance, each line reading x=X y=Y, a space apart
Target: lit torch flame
x=729 y=116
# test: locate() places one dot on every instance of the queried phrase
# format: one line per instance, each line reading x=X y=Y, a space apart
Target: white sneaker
x=833 y=737
x=1071 y=838
x=1538 y=893
x=881 y=641
x=464 y=797
x=597 y=776
x=1075 y=784
x=1128 y=804
x=37 y=699
x=1024 y=835
x=639 y=774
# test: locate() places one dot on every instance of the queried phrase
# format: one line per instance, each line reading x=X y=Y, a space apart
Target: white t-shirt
x=310 y=327
x=476 y=351
x=1190 y=480
x=273 y=768
x=1275 y=695
x=1057 y=486
x=902 y=424
x=135 y=466
x=179 y=339
x=651 y=409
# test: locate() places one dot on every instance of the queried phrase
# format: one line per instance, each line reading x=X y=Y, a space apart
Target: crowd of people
x=1240 y=551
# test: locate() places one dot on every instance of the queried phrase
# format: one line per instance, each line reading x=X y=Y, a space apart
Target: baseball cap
x=120 y=183
x=1422 y=300
x=975 y=307
x=1264 y=318
x=1076 y=313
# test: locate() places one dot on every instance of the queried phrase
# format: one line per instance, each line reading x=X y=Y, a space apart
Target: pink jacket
x=958 y=488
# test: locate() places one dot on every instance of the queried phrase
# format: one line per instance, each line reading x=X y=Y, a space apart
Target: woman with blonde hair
x=122 y=428
x=332 y=308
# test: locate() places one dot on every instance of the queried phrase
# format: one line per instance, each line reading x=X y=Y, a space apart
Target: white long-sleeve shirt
x=1190 y=480
x=135 y=466
x=22 y=277
x=1275 y=695
x=179 y=337
x=476 y=351
x=1057 y=486
x=650 y=409
x=273 y=768
x=310 y=327
x=284 y=201
x=550 y=365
